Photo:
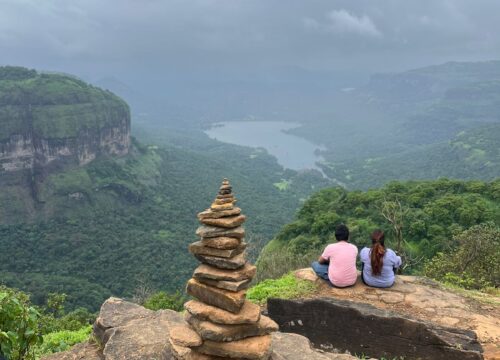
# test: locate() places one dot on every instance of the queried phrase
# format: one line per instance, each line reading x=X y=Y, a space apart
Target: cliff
x=46 y=118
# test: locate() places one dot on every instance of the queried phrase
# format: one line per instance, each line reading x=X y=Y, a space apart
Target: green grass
x=286 y=287
x=62 y=340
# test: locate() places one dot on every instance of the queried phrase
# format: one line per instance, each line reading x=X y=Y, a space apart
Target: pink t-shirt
x=342 y=269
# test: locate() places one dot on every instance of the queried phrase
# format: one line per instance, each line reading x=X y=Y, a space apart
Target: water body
x=292 y=152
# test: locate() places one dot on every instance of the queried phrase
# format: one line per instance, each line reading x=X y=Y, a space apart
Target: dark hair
x=378 y=251
x=341 y=232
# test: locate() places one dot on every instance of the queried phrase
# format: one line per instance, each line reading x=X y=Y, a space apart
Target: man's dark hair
x=341 y=232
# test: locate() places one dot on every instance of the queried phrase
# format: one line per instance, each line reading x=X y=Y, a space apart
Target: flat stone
x=252 y=348
x=226 y=196
x=217 y=207
x=222 y=242
x=209 y=214
x=210 y=272
x=184 y=335
x=206 y=231
x=197 y=248
x=227 y=285
x=222 y=332
x=185 y=353
x=226 y=222
x=224 y=201
x=235 y=262
x=288 y=346
x=227 y=300
x=249 y=313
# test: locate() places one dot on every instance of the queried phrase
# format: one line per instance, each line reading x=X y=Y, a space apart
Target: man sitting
x=338 y=261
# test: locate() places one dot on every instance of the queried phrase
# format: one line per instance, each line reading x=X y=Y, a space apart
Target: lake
x=292 y=152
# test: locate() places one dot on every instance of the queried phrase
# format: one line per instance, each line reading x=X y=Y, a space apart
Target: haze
x=144 y=40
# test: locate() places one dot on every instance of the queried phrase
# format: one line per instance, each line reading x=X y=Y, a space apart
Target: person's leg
x=321 y=270
x=362 y=269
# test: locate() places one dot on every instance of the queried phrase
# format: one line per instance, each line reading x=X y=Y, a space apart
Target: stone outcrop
x=412 y=300
x=227 y=324
x=126 y=331
x=364 y=329
x=42 y=124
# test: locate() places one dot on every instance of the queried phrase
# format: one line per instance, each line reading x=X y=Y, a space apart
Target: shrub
x=18 y=325
x=474 y=263
x=286 y=287
x=163 y=300
x=62 y=340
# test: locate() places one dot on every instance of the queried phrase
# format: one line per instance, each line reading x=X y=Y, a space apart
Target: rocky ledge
x=127 y=331
x=416 y=318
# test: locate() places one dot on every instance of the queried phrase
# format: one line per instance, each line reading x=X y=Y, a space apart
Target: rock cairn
x=221 y=323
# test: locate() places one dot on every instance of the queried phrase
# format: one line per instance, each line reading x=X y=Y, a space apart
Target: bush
x=18 y=326
x=474 y=263
x=286 y=287
x=62 y=340
x=163 y=300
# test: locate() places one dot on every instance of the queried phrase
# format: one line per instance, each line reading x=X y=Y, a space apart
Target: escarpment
x=50 y=118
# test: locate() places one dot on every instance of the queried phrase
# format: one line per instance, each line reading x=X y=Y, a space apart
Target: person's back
x=338 y=261
x=379 y=263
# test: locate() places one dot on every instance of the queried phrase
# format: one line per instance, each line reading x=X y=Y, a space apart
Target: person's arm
x=396 y=260
x=323 y=261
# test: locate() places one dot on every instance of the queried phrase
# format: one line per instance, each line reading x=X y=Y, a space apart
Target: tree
x=474 y=264
x=394 y=212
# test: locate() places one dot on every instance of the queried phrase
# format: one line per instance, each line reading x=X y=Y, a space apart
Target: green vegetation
x=106 y=228
x=474 y=263
x=28 y=332
x=62 y=340
x=286 y=287
x=163 y=300
x=429 y=213
x=18 y=326
x=54 y=105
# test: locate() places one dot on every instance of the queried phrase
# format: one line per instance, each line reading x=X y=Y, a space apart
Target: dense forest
x=427 y=214
x=119 y=223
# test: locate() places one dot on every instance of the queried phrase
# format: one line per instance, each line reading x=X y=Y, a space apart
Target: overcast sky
x=96 y=38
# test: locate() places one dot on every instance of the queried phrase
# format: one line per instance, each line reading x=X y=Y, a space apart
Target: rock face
x=48 y=118
x=228 y=325
x=126 y=331
x=412 y=300
x=362 y=328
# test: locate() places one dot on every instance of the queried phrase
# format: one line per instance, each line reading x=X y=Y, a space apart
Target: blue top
x=386 y=276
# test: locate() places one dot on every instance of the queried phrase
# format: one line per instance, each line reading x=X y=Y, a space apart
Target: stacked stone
x=222 y=324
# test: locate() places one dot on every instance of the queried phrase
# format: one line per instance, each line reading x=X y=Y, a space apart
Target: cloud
x=342 y=21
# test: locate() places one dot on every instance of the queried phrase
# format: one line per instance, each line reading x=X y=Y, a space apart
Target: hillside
x=407 y=125
x=429 y=212
x=49 y=121
x=114 y=221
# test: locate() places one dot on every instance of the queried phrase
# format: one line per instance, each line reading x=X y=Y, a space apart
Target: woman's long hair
x=378 y=251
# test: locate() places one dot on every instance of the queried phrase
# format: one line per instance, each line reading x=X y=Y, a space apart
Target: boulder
x=364 y=329
x=222 y=332
x=198 y=248
x=233 y=263
x=249 y=313
x=210 y=272
x=227 y=300
x=206 y=231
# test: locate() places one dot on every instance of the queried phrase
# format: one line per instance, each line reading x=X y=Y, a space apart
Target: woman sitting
x=378 y=263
